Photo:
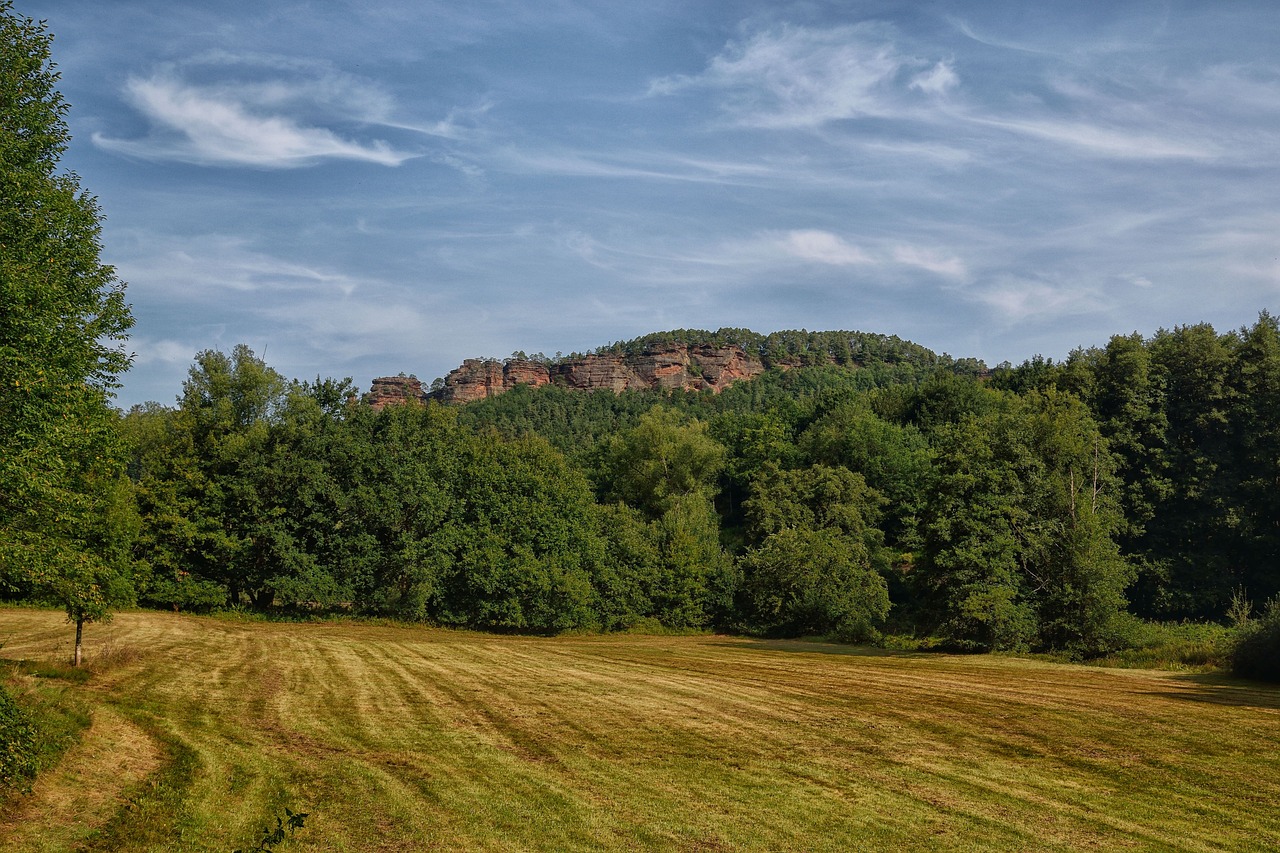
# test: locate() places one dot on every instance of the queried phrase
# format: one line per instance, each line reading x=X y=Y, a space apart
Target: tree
x=815 y=582
x=1019 y=529
x=666 y=468
x=61 y=337
x=662 y=461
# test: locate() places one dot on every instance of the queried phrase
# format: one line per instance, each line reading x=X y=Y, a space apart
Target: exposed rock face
x=479 y=378
x=387 y=390
x=664 y=366
x=519 y=371
x=723 y=366
x=595 y=372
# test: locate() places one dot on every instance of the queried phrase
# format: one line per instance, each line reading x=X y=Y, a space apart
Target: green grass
x=53 y=717
x=409 y=738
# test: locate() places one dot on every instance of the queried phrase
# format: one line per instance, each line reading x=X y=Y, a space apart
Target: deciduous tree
x=62 y=329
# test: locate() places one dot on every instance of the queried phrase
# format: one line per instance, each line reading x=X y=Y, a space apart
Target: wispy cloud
x=206 y=266
x=248 y=119
x=795 y=77
x=1125 y=143
x=1015 y=299
x=822 y=247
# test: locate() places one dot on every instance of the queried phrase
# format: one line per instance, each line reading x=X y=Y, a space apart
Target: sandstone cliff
x=387 y=390
x=692 y=367
x=690 y=359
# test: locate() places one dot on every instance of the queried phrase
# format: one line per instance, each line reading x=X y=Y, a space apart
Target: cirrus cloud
x=802 y=77
x=212 y=125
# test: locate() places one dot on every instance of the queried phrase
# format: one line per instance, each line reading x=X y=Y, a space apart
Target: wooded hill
x=1032 y=508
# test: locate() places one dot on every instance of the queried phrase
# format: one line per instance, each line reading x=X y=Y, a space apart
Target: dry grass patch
x=70 y=802
x=413 y=738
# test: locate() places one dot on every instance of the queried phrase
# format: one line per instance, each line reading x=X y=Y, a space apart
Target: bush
x=17 y=744
x=1168 y=645
x=1256 y=653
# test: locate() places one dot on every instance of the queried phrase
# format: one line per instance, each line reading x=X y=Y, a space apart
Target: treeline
x=1035 y=510
x=804 y=348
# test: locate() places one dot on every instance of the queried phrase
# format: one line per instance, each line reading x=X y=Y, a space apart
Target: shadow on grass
x=47 y=669
x=1216 y=688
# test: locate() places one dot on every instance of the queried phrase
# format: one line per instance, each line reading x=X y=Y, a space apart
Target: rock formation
x=387 y=390
x=479 y=378
x=666 y=367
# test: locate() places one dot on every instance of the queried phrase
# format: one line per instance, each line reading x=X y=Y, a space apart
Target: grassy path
x=407 y=739
x=85 y=791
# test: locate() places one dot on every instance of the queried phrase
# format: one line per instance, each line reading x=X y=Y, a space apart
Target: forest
x=1041 y=507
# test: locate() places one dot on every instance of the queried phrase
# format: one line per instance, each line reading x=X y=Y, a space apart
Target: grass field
x=411 y=738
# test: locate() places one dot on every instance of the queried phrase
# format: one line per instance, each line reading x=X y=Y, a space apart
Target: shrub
x=17 y=744
x=1256 y=653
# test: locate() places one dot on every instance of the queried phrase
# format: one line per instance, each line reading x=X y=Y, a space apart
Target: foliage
x=1019 y=549
x=39 y=719
x=814 y=582
x=1003 y=515
x=17 y=744
x=62 y=518
x=285 y=826
x=1256 y=651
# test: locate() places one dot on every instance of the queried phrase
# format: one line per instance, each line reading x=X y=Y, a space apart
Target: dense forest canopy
x=1035 y=507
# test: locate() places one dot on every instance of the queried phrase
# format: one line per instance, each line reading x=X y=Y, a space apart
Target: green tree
x=666 y=468
x=1019 y=530
x=814 y=582
x=61 y=336
x=661 y=461
x=232 y=405
x=894 y=460
x=1255 y=428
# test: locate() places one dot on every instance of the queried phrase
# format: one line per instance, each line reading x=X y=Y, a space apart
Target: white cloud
x=798 y=77
x=1015 y=299
x=1137 y=280
x=1136 y=144
x=208 y=266
x=936 y=80
x=822 y=247
x=219 y=126
x=162 y=351
x=931 y=260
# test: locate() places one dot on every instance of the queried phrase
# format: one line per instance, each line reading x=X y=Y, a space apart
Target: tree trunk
x=75 y=661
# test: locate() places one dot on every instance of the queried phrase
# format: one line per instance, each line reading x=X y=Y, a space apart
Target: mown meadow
x=205 y=729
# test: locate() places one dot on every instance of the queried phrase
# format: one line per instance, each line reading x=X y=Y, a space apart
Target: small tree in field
x=62 y=323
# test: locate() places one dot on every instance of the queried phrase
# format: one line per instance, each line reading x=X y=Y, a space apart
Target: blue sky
x=359 y=189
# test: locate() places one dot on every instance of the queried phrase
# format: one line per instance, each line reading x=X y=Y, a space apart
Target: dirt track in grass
x=412 y=738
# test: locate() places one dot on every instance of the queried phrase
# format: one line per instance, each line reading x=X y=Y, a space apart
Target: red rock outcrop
x=479 y=378
x=722 y=366
x=596 y=372
x=388 y=390
x=662 y=366
x=521 y=371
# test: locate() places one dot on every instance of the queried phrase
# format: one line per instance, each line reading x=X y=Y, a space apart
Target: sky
x=360 y=189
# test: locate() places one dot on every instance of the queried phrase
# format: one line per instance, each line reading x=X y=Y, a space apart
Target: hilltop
x=688 y=359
